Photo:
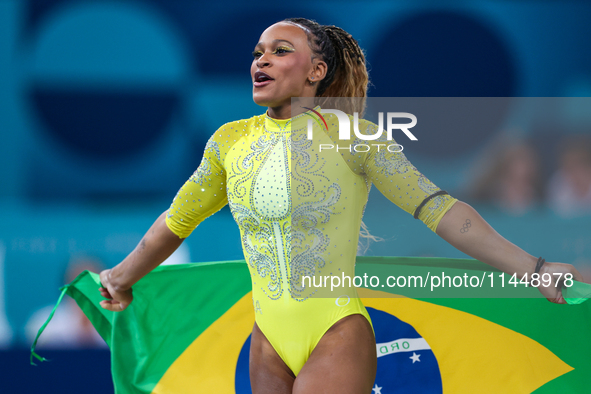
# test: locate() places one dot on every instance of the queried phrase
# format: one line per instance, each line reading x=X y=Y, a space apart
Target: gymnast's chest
x=259 y=176
x=274 y=175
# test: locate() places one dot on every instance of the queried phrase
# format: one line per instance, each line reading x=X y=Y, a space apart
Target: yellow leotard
x=299 y=210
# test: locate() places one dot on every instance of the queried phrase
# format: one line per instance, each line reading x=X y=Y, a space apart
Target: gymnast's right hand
x=117 y=299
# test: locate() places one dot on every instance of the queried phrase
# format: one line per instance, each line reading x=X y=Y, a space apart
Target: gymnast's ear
x=318 y=71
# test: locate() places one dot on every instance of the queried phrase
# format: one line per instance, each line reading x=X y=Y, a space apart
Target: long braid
x=351 y=77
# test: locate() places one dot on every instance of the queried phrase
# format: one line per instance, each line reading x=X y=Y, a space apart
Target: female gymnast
x=299 y=213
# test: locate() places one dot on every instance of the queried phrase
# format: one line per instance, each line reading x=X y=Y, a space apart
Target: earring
x=311 y=83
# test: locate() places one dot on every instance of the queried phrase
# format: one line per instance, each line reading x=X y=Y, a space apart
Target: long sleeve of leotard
x=401 y=183
x=202 y=195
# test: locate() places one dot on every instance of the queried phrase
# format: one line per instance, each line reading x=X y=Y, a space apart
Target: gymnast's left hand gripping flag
x=188 y=331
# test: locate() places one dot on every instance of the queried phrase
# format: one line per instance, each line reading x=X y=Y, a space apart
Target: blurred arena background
x=106 y=106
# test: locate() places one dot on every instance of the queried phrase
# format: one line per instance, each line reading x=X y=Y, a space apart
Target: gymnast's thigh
x=268 y=372
x=344 y=360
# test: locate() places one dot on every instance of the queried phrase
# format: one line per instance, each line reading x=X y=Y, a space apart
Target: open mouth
x=261 y=79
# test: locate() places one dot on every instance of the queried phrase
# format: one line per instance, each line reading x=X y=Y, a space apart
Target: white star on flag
x=378 y=390
x=415 y=357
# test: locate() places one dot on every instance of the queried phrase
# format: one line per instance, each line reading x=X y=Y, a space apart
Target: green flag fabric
x=188 y=329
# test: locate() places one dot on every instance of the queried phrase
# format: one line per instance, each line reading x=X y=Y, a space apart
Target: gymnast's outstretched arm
x=455 y=221
x=468 y=232
x=155 y=247
x=203 y=194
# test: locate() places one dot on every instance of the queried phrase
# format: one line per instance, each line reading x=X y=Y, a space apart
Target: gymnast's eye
x=282 y=49
x=257 y=54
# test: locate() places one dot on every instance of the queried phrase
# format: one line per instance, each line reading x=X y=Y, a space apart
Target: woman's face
x=282 y=66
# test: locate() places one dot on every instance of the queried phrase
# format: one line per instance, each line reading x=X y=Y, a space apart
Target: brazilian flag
x=188 y=331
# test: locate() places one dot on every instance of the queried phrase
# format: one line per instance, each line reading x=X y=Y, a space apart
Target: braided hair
x=346 y=74
x=346 y=78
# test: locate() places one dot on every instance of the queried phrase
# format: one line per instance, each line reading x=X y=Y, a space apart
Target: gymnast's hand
x=550 y=282
x=118 y=299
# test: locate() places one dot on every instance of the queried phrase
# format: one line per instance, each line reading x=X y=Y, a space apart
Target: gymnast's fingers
x=577 y=275
x=113 y=306
x=105 y=293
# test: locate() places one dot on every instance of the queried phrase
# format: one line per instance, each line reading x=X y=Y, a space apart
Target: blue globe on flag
x=406 y=363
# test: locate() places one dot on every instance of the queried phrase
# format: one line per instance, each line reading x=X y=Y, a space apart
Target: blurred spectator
x=510 y=179
x=69 y=328
x=569 y=189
